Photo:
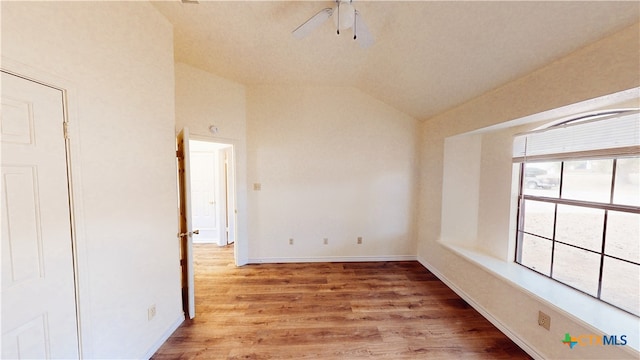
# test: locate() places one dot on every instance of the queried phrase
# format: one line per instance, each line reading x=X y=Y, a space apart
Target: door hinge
x=65 y=129
x=179 y=154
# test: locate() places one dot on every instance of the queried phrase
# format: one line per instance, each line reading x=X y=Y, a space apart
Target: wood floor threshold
x=365 y=310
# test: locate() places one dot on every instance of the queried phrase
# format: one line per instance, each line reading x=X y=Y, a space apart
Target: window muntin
x=620 y=284
x=588 y=180
x=627 y=189
x=580 y=226
x=536 y=253
x=622 y=226
x=539 y=218
x=583 y=229
x=542 y=179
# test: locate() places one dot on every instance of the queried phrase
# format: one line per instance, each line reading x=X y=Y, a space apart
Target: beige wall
x=204 y=99
x=605 y=67
x=332 y=163
x=116 y=61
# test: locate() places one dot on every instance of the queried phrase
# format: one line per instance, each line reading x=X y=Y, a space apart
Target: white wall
x=478 y=200
x=204 y=99
x=116 y=61
x=332 y=163
x=605 y=67
x=461 y=189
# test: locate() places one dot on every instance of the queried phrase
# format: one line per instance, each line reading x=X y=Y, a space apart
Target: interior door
x=204 y=194
x=229 y=188
x=39 y=318
x=186 y=229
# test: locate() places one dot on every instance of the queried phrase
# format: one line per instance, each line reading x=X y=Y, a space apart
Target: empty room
x=320 y=179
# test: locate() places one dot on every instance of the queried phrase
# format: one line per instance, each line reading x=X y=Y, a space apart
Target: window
x=579 y=205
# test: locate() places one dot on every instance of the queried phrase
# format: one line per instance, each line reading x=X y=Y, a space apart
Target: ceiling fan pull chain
x=343 y=20
x=355 y=25
x=338 y=26
x=355 y=19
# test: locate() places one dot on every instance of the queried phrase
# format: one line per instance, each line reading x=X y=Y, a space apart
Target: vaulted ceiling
x=428 y=56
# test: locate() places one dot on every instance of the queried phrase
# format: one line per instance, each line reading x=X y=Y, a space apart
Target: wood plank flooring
x=386 y=310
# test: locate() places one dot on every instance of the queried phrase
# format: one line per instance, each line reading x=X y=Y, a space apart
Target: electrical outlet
x=544 y=320
x=151 y=312
x=290 y=241
x=359 y=239
x=326 y=241
x=257 y=187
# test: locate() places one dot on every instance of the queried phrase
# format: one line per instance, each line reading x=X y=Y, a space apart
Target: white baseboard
x=273 y=260
x=484 y=312
x=164 y=337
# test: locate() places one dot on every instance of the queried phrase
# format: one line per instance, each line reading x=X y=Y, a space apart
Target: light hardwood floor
x=386 y=310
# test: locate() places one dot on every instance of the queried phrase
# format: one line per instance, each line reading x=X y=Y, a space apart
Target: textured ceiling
x=428 y=55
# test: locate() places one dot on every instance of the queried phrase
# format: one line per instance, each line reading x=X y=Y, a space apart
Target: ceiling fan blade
x=311 y=24
x=361 y=32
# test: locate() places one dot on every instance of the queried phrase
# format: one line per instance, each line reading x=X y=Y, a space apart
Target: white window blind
x=600 y=135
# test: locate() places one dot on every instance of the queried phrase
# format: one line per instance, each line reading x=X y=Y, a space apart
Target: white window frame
x=627 y=145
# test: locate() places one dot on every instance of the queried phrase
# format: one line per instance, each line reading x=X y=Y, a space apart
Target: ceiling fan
x=346 y=17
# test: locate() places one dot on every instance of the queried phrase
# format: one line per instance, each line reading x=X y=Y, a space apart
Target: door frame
x=231 y=227
x=233 y=175
x=188 y=303
x=74 y=181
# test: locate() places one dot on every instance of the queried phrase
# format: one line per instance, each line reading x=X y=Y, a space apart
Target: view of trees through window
x=579 y=223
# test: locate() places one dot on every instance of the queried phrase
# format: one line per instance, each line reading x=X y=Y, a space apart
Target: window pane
x=542 y=179
x=627 y=188
x=536 y=254
x=577 y=268
x=621 y=285
x=538 y=218
x=580 y=226
x=588 y=180
x=623 y=235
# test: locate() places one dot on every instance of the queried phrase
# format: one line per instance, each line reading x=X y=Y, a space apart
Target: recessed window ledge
x=581 y=308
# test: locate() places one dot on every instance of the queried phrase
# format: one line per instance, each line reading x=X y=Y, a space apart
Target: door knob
x=189 y=234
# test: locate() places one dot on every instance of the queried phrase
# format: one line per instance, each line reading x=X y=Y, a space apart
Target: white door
x=186 y=229
x=38 y=291
x=204 y=194
x=228 y=174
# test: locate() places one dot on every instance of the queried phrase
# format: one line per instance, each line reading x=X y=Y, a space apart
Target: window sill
x=581 y=308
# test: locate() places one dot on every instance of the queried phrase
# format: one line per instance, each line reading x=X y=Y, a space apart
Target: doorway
x=212 y=195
